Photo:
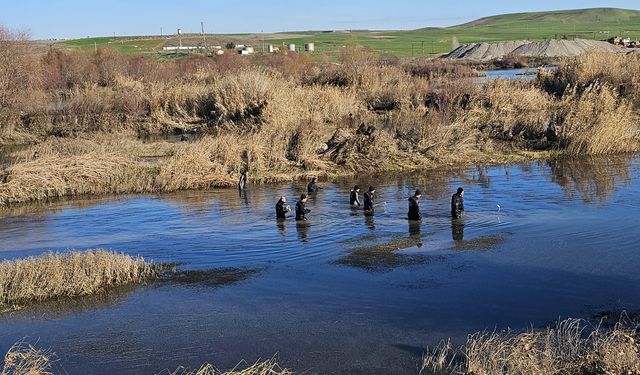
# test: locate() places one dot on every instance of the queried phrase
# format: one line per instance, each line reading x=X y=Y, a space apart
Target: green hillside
x=598 y=23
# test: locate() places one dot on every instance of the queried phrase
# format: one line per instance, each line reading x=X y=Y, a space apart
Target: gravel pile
x=547 y=48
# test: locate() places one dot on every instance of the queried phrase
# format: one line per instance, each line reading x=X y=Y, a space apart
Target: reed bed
x=569 y=347
x=24 y=359
x=286 y=118
x=72 y=274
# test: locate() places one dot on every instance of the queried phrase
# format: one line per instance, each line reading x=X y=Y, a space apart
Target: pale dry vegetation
x=24 y=359
x=72 y=274
x=287 y=117
x=269 y=367
x=569 y=347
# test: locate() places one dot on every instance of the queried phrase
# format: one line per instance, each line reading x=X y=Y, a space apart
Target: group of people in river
x=367 y=203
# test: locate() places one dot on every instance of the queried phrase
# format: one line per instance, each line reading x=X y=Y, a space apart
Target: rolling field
x=599 y=23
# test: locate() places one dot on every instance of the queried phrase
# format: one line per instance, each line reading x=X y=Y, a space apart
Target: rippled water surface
x=540 y=241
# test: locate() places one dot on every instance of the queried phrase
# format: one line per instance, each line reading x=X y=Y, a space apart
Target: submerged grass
x=569 y=347
x=73 y=274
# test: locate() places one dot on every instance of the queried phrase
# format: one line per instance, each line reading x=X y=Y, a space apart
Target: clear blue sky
x=80 y=18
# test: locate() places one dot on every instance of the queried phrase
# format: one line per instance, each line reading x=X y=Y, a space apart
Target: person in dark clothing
x=457 y=203
x=313 y=186
x=414 y=206
x=301 y=209
x=242 y=183
x=282 y=208
x=369 y=199
x=354 y=199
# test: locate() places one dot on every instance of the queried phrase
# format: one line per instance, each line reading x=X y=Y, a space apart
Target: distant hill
x=595 y=24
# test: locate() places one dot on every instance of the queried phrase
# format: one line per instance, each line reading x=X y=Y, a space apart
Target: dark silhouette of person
x=282 y=208
x=369 y=197
x=242 y=182
x=457 y=203
x=301 y=209
x=414 y=206
x=313 y=186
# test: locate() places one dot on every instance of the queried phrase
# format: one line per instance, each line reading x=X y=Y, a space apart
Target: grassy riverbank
x=286 y=118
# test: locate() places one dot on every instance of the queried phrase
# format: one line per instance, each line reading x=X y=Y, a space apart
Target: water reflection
x=61 y=307
x=302 y=227
x=369 y=221
x=415 y=232
x=282 y=228
x=592 y=179
x=457 y=229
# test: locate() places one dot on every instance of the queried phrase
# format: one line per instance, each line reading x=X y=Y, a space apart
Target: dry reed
x=24 y=359
x=71 y=274
x=569 y=347
x=360 y=116
x=269 y=367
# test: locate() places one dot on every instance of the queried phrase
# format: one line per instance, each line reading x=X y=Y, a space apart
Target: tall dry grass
x=269 y=367
x=72 y=274
x=24 y=359
x=287 y=117
x=569 y=347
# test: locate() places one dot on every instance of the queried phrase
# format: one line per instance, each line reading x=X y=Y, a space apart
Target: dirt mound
x=547 y=48
x=563 y=48
x=486 y=51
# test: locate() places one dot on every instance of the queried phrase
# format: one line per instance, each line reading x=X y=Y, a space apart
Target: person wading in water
x=369 y=200
x=457 y=203
x=313 y=186
x=282 y=208
x=301 y=209
x=414 y=206
x=354 y=199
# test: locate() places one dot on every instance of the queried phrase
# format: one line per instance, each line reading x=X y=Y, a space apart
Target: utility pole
x=180 y=38
x=412 y=49
x=204 y=38
x=262 y=32
x=95 y=47
x=161 y=32
x=423 y=48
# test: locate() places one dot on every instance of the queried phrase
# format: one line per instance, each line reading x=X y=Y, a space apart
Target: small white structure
x=270 y=48
x=220 y=52
x=310 y=47
x=291 y=47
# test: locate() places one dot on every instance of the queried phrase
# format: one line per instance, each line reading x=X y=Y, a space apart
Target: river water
x=540 y=241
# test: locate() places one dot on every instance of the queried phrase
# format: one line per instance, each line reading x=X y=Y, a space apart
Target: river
x=540 y=240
